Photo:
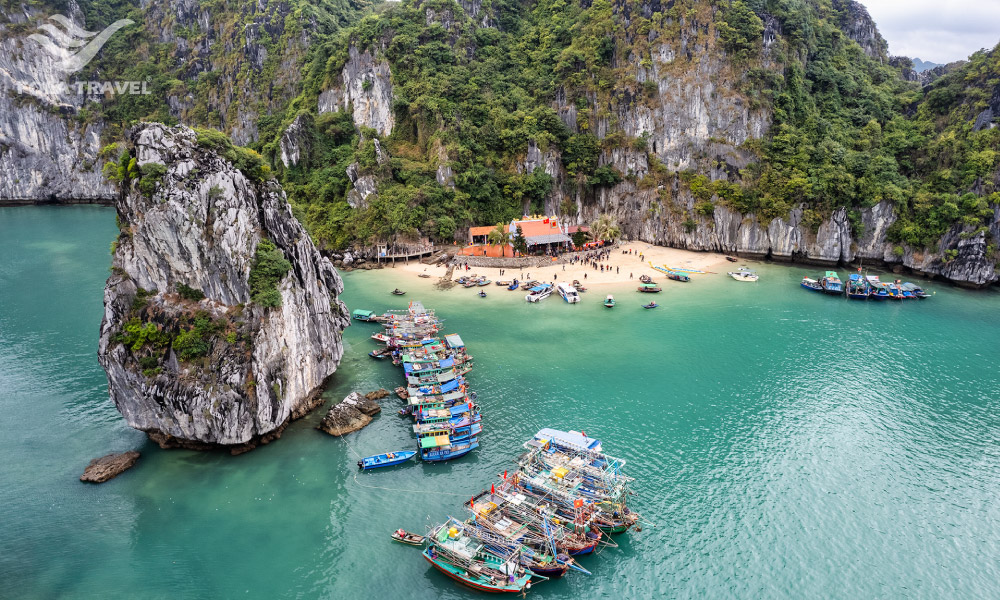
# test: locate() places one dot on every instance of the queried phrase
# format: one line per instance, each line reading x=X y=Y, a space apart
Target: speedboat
x=568 y=293
x=812 y=284
x=744 y=274
x=539 y=293
x=609 y=301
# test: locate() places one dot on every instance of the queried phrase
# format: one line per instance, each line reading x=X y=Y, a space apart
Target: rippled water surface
x=786 y=444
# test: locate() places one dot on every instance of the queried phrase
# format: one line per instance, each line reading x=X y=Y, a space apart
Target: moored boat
x=539 y=293
x=857 y=287
x=609 y=301
x=645 y=279
x=811 y=284
x=744 y=274
x=916 y=290
x=831 y=283
x=876 y=289
x=363 y=315
x=731 y=258
x=649 y=288
x=385 y=460
x=405 y=537
x=568 y=293
x=513 y=285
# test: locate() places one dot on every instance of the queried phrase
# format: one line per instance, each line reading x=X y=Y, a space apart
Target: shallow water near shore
x=787 y=444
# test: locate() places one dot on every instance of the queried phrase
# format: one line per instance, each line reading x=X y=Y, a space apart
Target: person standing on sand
x=630 y=276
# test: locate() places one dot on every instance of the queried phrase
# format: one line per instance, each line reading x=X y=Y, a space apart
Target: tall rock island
x=221 y=319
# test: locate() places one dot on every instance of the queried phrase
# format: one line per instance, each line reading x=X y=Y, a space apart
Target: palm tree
x=604 y=228
x=498 y=236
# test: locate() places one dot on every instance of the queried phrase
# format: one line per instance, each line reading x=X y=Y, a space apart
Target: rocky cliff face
x=855 y=21
x=365 y=89
x=222 y=369
x=46 y=154
x=645 y=215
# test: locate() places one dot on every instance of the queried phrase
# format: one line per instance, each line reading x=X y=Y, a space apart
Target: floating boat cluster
x=446 y=419
x=864 y=287
x=564 y=500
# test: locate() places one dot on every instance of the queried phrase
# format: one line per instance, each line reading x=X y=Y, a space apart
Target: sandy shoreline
x=625 y=268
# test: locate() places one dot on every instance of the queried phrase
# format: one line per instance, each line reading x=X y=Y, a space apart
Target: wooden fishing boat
x=478 y=574
x=650 y=288
x=731 y=258
x=385 y=460
x=609 y=301
x=857 y=287
x=397 y=292
x=483 y=282
x=500 y=282
x=363 y=315
x=811 y=284
x=381 y=353
x=916 y=290
x=675 y=276
x=645 y=279
x=832 y=284
x=405 y=537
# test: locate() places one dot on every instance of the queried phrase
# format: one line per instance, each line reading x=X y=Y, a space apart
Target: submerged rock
x=108 y=467
x=351 y=414
x=221 y=318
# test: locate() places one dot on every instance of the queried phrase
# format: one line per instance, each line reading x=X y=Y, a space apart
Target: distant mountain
x=920 y=65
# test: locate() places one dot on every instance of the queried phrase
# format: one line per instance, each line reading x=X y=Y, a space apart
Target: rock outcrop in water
x=221 y=318
x=108 y=467
x=350 y=414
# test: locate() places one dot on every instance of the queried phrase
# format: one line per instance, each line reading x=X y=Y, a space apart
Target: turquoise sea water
x=788 y=445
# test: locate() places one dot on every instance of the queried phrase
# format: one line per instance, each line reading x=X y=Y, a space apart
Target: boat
x=482 y=293
x=686 y=270
x=483 y=281
x=471 y=565
x=513 y=286
x=424 y=275
x=731 y=258
x=579 y=287
x=385 y=460
x=916 y=290
x=650 y=305
x=527 y=285
x=895 y=290
x=645 y=279
x=363 y=315
x=876 y=289
x=499 y=283
x=405 y=537
x=381 y=353
x=381 y=337
x=539 y=293
x=857 y=287
x=744 y=274
x=609 y=301
x=568 y=293
x=674 y=275
x=811 y=284
x=471 y=282
x=397 y=292
x=832 y=284
x=401 y=393
x=649 y=288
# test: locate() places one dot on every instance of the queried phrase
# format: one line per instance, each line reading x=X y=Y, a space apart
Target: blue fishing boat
x=513 y=286
x=650 y=305
x=857 y=287
x=876 y=289
x=915 y=290
x=440 y=447
x=832 y=284
x=385 y=460
x=811 y=284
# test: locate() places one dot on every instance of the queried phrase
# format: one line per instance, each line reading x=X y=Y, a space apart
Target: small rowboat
x=645 y=279
x=381 y=353
x=385 y=460
x=397 y=292
x=513 y=285
x=424 y=275
x=405 y=537
x=731 y=258
x=482 y=293
x=650 y=305
x=609 y=301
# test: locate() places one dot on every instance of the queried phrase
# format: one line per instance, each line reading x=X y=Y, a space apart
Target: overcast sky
x=939 y=31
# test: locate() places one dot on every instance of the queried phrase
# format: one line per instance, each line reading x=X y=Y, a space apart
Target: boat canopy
x=569 y=438
x=365 y=314
x=454 y=341
x=647 y=285
x=832 y=275
x=435 y=441
x=451 y=385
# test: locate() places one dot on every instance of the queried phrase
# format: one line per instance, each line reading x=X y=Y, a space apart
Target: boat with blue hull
x=811 y=284
x=857 y=287
x=915 y=290
x=832 y=284
x=385 y=460
x=876 y=289
x=448 y=450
